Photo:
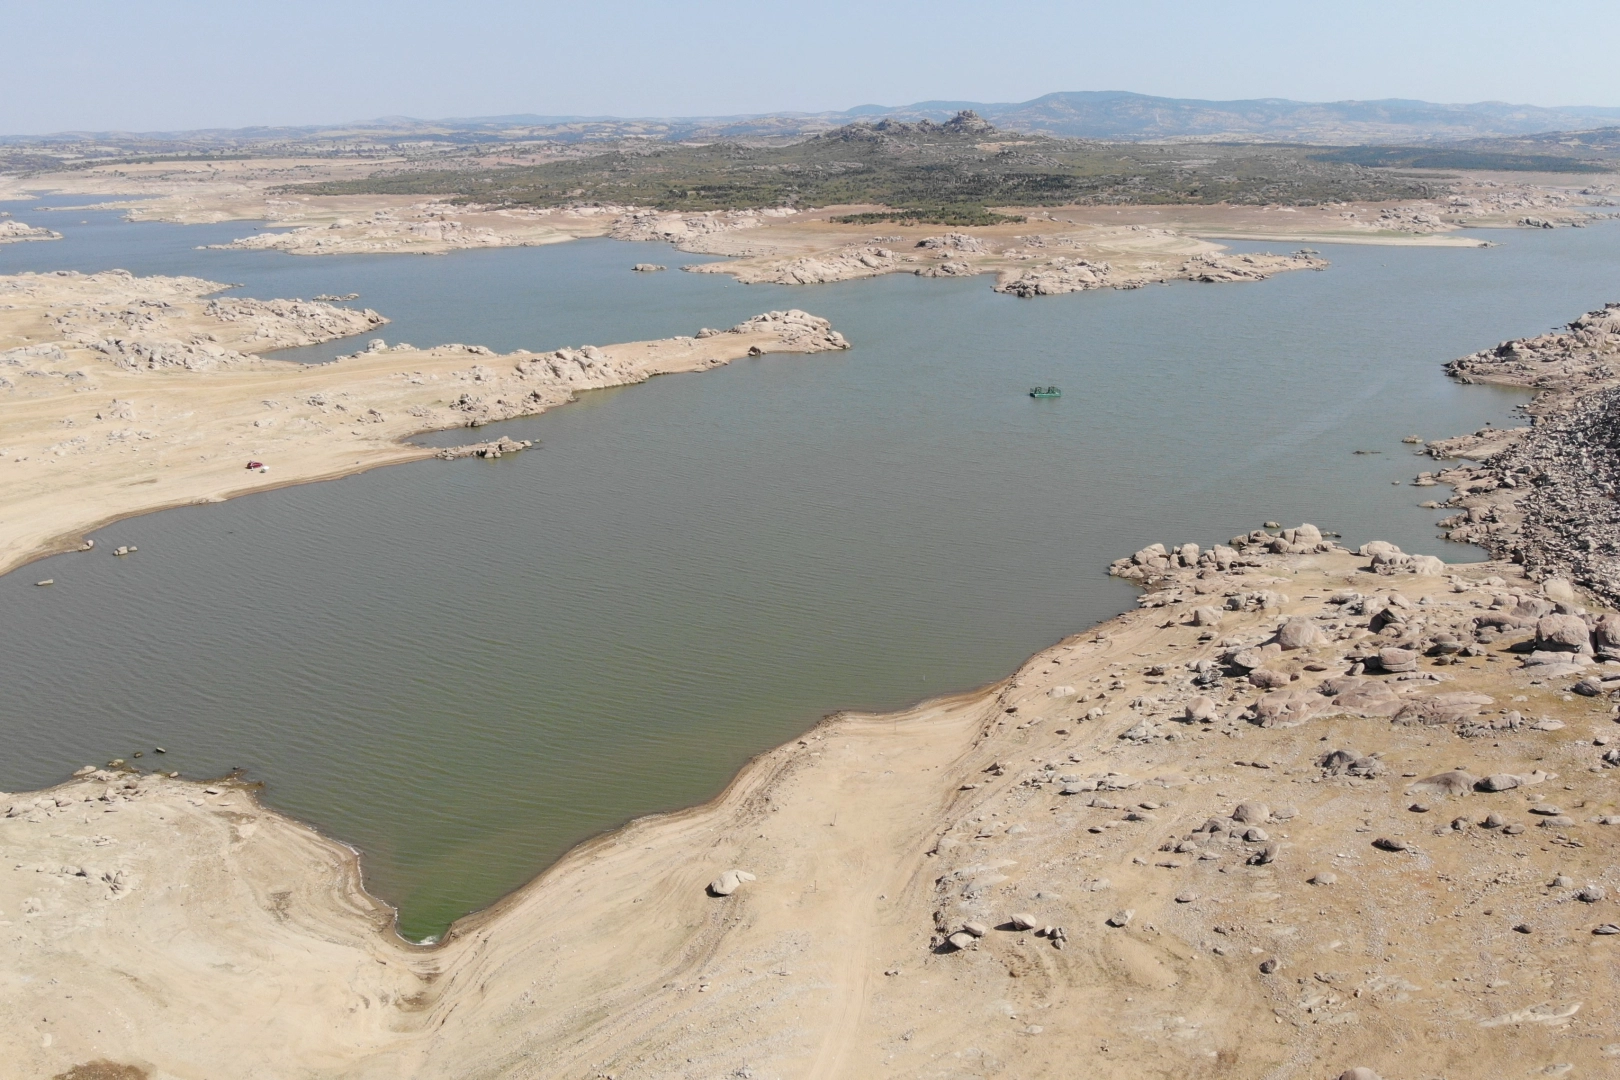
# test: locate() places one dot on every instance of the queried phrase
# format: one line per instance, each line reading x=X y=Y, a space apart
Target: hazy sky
x=170 y=64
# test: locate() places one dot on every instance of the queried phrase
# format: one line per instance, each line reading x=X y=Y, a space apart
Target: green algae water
x=463 y=668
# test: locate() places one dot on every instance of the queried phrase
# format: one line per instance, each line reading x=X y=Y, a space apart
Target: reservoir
x=463 y=668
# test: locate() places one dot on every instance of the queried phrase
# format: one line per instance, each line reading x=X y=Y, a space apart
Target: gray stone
x=1395 y=660
x=1202 y=710
x=1299 y=633
x=1122 y=918
x=1251 y=813
x=1267 y=679
x=1022 y=921
x=1562 y=633
x=1497 y=782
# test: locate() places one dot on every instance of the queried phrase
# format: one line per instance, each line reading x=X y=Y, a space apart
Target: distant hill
x=1109 y=115
x=1118 y=115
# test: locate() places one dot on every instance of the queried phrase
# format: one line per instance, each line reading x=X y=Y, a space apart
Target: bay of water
x=465 y=667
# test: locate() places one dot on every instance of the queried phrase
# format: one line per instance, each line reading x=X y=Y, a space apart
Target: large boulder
x=1606 y=634
x=1395 y=660
x=1299 y=632
x=1562 y=633
x=1251 y=813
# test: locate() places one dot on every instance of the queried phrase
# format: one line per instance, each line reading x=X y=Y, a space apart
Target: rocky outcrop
x=13 y=232
x=488 y=450
x=952 y=242
x=146 y=323
x=685 y=229
x=1226 y=268
x=1545 y=496
x=537 y=381
x=1055 y=278
x=844 y=264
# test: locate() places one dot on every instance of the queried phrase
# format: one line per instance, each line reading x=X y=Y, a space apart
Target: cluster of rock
x=952 y=242
x=489 y=450
x=1155 y=563
x=146 y=323
x=947 y=268
x=1056 y=278
x=12 y=232
x=538 y=381
x=856 y=261
x=1384 y=645
x=1544 y=496
x=1228 y=268
x=682 y=229
x=424 y=228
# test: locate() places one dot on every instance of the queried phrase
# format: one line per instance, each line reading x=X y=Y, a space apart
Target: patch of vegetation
x=961 y=167
x=1420 y=157
x=938 y=215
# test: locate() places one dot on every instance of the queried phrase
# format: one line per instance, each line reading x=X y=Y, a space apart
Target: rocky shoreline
x=1544 y=496
x=129 y=394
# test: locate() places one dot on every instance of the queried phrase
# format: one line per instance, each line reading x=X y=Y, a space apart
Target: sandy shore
x=125 y=394
x=1351 y=913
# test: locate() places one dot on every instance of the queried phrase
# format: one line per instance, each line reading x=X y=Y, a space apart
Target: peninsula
x=128 y=394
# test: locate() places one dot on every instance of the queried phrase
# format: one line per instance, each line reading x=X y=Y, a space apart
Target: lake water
x=465 y=667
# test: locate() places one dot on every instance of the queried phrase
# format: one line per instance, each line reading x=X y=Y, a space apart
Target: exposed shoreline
x=1408 y=865
x=614 y=959
x=127 y=395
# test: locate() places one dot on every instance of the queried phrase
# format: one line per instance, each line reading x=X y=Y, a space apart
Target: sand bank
x=125 y=394
x=1350 y=914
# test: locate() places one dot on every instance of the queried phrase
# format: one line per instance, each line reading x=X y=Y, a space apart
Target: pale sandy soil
x=123 y=394
x=185 y=931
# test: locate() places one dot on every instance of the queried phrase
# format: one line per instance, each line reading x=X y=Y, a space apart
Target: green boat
x=1045 y=391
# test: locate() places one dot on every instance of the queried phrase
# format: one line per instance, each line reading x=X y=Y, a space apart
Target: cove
x=464 y=668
